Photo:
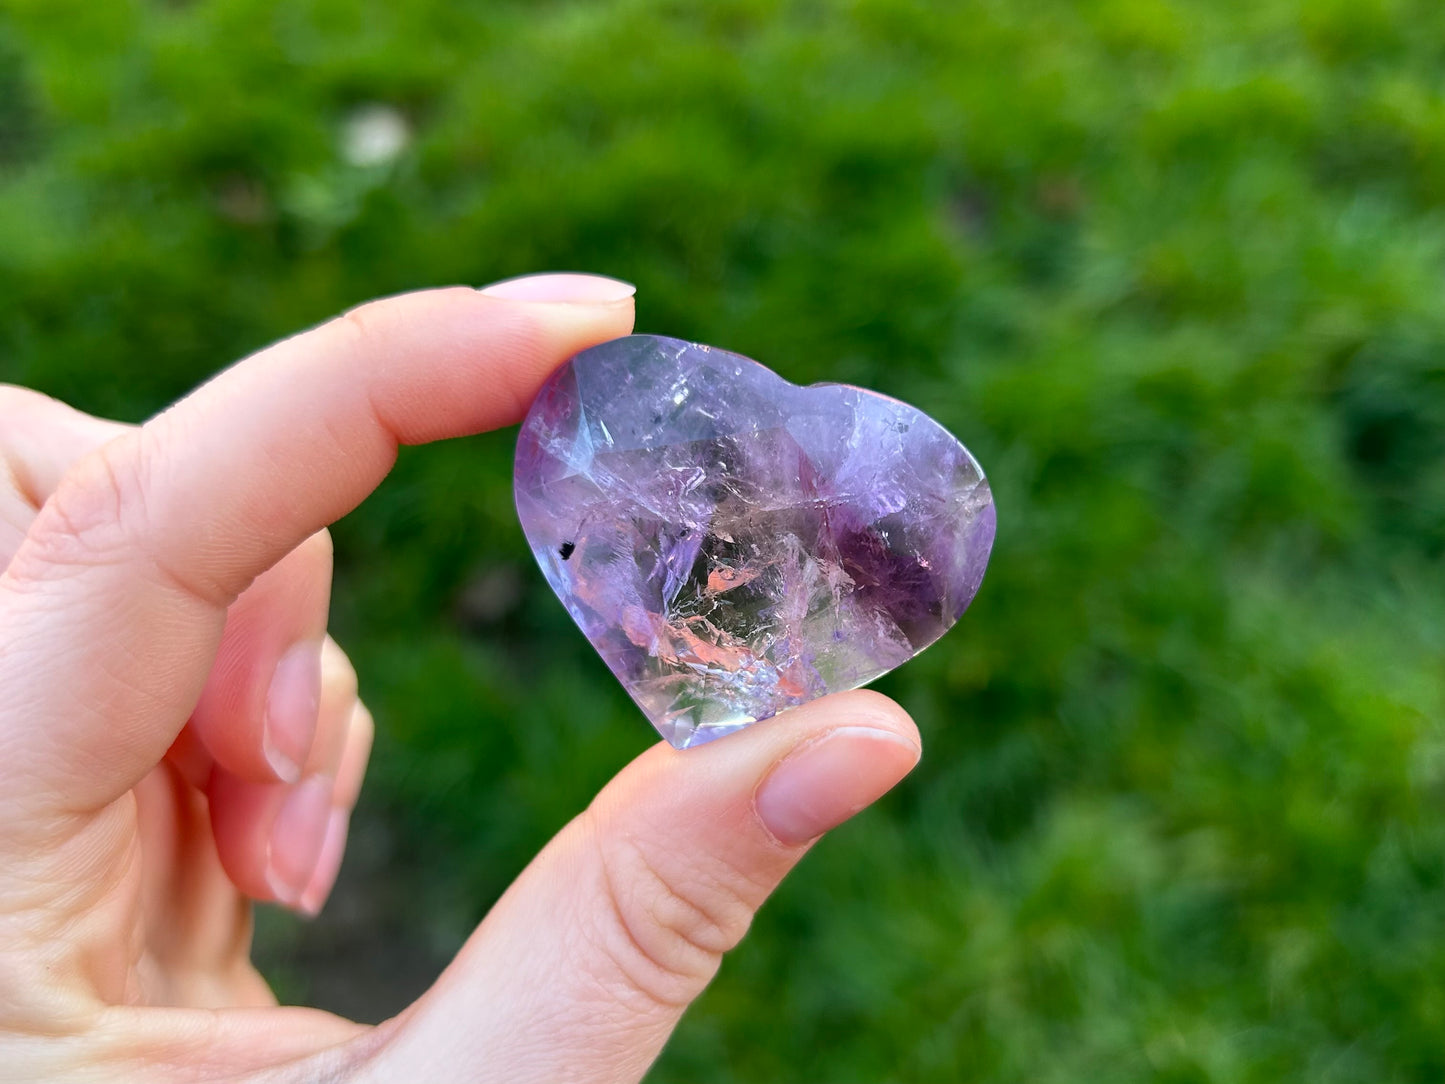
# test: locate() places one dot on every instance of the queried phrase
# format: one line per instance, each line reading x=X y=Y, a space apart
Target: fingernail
x=328 y=864
x=821 y=785
x=570 y=287
x=298 y=835
x=292 y=704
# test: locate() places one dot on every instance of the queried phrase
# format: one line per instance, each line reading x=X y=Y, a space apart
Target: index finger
x=112 y=609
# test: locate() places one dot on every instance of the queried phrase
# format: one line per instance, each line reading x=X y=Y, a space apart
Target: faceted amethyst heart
x=733 y=544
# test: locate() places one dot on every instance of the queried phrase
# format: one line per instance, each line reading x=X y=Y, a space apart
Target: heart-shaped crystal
x=733 y=544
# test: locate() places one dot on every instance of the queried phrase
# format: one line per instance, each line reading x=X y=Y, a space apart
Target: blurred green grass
x=1173 y=270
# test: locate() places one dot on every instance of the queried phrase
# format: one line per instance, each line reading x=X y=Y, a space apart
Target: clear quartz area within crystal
x=733 y=544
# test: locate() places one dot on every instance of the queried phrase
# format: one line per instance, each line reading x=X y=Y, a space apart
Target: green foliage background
x=1174 y=269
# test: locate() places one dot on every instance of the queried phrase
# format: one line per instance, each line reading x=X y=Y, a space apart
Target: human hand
x=178 y=737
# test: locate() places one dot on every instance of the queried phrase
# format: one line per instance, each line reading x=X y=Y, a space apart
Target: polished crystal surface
x=733 y=544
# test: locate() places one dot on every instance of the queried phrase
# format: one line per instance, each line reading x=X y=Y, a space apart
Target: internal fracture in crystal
x=733 y=544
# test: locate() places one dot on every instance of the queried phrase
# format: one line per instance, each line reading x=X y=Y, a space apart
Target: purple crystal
x=733 y=544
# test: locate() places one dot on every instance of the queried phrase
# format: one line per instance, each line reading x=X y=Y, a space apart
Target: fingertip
x=567 y=287
x=864 y=707
x=259 y=712
x=827 y=780
x=852 y=749
x=328 y=864
x=351 y=772
x=297 y=837
x=493 y=351
x=293 y=701
x=337 y=707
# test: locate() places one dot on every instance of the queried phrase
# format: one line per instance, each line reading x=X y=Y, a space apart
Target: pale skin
x=179 y=738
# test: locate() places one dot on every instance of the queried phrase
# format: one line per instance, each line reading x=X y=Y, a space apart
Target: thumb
x=585 y=965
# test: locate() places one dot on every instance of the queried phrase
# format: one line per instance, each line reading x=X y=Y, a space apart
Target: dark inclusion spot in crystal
x=567 y=549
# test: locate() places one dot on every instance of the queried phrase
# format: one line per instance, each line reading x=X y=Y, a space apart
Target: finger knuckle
x=100 y=515
x=668 y=919
x=358 y=324
x=89 y=519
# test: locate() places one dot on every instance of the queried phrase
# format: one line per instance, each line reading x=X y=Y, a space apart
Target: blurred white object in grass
x=374 y=134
